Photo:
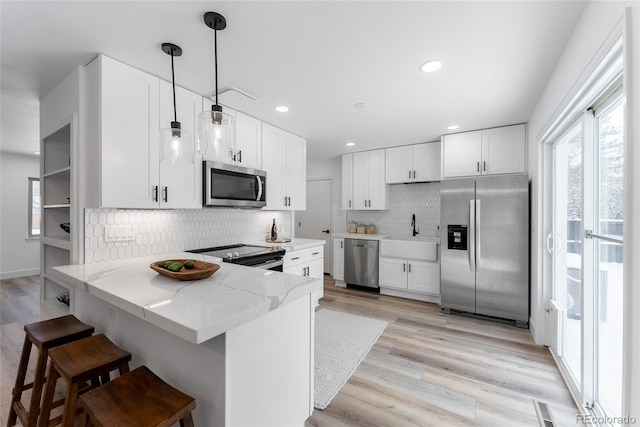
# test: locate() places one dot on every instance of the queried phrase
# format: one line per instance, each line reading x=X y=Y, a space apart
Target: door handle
x=326 y=231
x=166 y=194
x=478 y=235
x=472 y=235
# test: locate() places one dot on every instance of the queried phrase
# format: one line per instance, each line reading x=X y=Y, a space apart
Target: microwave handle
x=259 y=179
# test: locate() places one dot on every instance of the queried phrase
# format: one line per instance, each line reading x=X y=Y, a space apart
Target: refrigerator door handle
x=478 y=236
x=472 y=235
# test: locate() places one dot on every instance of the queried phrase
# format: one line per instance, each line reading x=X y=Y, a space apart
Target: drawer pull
x=295 y=258
x=315 y=253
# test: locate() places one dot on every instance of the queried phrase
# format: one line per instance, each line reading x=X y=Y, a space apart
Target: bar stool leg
x=49 y=391
x=70 y=405
x=187 y=420
x=36 y=392
x=18 y=387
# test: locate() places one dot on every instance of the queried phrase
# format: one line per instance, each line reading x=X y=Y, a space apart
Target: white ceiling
x=318 y=57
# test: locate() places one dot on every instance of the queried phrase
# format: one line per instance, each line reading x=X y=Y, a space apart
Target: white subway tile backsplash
x=158 y=231
x=421 y=199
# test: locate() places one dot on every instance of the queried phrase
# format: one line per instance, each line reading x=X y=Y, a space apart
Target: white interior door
x=315 y=221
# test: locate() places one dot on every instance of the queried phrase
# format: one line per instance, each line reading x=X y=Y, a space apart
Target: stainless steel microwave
x=227 y=185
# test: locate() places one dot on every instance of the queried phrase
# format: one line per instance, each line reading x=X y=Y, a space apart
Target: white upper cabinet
x=181 y=185
x=413 y=163
x=248 y=152
x=125 y=110
x=484 y=152
x=369 y=188
x=347 y=181
x=284 y=158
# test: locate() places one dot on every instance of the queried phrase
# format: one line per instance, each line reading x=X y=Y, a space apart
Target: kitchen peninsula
x=240 y=341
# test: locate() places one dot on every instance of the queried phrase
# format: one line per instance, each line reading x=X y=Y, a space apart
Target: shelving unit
x=55 y=243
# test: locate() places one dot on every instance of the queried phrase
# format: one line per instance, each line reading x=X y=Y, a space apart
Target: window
x=34 y=207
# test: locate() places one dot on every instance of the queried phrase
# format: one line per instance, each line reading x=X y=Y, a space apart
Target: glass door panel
x=609 y=157
x=567 y=254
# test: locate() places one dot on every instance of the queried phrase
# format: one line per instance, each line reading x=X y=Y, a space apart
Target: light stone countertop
x=295 y=244
x=193 y=310
x=383 y=236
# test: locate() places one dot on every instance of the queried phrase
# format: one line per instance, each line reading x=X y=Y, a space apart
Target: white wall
x=18 y=256
x=596 y=23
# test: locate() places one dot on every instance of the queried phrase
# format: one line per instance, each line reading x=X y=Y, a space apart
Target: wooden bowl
x=201 y=270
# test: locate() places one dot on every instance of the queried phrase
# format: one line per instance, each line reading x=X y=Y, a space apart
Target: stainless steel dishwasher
x=361 y=262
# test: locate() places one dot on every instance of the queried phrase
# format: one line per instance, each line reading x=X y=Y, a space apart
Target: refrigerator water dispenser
x=457 y=237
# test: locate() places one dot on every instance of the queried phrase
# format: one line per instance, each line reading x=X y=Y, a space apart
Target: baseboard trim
x=19 y=273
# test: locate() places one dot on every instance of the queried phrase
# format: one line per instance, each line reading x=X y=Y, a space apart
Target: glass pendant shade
x=216 y=134
x=176 y=145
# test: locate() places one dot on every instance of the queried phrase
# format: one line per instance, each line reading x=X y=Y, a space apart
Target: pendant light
x=215 y=127
x=177 y=144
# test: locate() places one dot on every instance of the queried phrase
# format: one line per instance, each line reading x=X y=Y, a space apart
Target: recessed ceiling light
x=360 y=106
x=431 y=66
x=282 y=108
x=453 y=127
x=350 y=144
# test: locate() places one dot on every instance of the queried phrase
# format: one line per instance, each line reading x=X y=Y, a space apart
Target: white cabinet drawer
x=300 y=256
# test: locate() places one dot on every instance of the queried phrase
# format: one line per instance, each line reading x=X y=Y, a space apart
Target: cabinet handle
x=349 y=203
x=404 y=267
x=478 y=166
x=414 y=174
x=341 y=244
x=155 y=193
x=409 y=268
x=166 y=194
x=285 y=200
x=233 y=156
x=289 y=200
x=315 y=253
x=409 y=174
x=295 y=258
x=484 y=166
x=240 y=156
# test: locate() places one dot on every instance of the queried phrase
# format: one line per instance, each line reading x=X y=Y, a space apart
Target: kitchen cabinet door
x=347 y=181
x=461 y=154
x=393 y=273
x=369 y=188
x=181 y=185
x=248 y=151
x=423 y=277
x=284 y=158
x=295 y=181
x=399 y=165
x=426 y=162
x=504 y=150
x=127 y=130
x=315 y=268
x=377 y=185
x=274 y=142
x=338 y=258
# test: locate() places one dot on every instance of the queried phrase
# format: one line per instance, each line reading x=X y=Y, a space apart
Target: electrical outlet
x=114 y=233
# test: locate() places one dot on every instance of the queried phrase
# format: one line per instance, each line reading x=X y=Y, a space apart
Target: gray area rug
x=341 y=342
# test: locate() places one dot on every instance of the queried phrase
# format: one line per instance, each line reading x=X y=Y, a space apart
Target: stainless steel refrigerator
x=485 y=246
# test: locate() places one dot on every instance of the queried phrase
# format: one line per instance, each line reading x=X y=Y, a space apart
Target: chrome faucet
x=413 y=224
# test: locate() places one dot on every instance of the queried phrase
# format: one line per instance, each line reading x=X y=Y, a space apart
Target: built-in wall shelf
x=62 y=171
x=61 y=241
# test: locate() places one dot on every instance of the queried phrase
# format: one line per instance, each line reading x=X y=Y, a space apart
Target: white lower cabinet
x=306 y=262
x=411 y=275
x=338 y=258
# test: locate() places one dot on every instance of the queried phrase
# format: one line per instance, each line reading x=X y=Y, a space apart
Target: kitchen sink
x=422 y=248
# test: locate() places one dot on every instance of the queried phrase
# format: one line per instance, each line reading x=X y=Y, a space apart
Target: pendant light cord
x=215 y=60
x=173 y=81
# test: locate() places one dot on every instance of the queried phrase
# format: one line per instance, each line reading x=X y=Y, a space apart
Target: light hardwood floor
x=433 y=369
x=427 y=368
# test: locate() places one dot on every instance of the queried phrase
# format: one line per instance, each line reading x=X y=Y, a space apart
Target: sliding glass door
x=587 y=223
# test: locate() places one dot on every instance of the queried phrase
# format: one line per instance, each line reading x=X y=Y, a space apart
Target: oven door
x=233 y=186
x=273 y=264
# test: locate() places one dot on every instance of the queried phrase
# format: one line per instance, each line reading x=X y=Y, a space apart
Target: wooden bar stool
x=139 y=399
x=77 y=363
x=44 y=336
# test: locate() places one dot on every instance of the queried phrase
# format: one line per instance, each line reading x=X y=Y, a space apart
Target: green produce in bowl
x=176 y=266
x=189 y=264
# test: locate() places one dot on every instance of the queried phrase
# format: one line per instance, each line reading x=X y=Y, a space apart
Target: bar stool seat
x=138 y=398
x=79 y=362
x=44 y=336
